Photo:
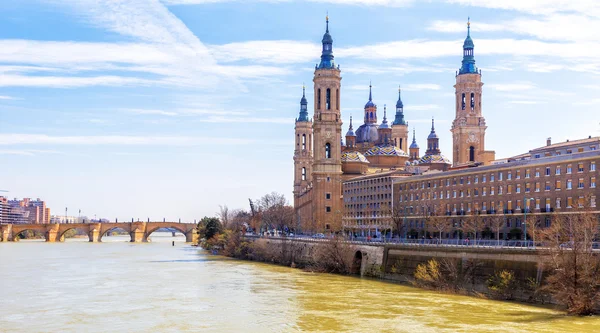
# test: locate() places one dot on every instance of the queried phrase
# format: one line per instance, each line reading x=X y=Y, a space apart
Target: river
x=116 y=286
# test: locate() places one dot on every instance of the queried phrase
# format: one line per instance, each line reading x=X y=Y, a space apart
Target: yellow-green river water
x=116 y=286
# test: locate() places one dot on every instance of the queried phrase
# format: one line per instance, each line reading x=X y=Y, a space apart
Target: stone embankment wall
x=398 y=262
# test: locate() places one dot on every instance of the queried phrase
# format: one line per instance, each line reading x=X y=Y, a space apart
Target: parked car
x=318 y=236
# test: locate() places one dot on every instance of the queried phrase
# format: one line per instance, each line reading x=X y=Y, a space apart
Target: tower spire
x=351 y=123
x=327 y=52
x=303 y=106
x=399 y=119
x=468 y=62
x=370 y=95
x=432 y=125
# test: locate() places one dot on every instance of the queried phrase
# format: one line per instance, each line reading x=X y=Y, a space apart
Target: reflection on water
x=78 y=286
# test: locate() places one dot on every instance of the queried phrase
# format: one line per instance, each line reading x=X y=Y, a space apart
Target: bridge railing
x=435 y=242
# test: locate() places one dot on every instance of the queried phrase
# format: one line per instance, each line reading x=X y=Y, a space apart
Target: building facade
x=325 y=165
x=24 y=211
x=534 y=188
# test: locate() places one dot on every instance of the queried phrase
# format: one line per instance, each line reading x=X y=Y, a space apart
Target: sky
x=169 y=108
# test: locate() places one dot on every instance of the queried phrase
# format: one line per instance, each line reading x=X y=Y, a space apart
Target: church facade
x=327 y=164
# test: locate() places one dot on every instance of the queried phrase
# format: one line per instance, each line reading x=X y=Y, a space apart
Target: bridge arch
x=173 y=226
x=61 y=236
x=117 y=227
x=17 y=232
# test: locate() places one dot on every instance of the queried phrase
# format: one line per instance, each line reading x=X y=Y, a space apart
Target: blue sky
x=168 y=108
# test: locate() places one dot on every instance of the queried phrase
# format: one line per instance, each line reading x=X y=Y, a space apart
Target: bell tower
x=399 y=126
x=303 y=158
x=468 y=127
x=327 y=131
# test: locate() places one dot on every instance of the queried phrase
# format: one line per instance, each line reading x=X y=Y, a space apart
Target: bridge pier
x=94 y=232
x=191 y=236
x=6 y=232
x=52 y=234
x=138 y=234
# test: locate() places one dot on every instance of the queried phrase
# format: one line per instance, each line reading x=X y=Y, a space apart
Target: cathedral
x=324 y=160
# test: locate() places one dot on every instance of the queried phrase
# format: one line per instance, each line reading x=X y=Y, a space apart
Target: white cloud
x=7 y=98
x=539 y=7
x=391 y=3
x=421 y=86
x=151 y=112
x=514 y=86
x=42 y=139
x=267 y=51
x=27 y=152
x=68 y=81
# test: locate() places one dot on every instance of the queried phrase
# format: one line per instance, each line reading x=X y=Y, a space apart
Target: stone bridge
x=138 y=231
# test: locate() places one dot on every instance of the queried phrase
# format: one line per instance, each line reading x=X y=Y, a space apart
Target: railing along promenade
x=435 y=242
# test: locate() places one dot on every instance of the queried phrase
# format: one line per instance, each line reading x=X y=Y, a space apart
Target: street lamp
x=526 y=204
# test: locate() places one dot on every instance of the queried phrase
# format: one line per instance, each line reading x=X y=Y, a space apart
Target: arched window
x=371 y=116
x=310 y=142
x=297 y=139
x=401 y=144
x=303 y=141
x=337 y=99
x=303 y=173
x=472 y=154
x=319 y=99
x=327 y=150
x=472 y=101
x=463 y=101
x=328 y=99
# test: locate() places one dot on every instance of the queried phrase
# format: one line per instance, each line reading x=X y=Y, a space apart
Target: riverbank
x=450 y=276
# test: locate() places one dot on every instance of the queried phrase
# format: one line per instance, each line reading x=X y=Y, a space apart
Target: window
x=454 y=194
x=580 y=202
x=569 y=184
x=518 y=188
x=500 y=190
x=527 y=187
x=319 y=98
x=547 y=204
x=491 y=178
x=328 y=99
x=537 y=173
x=328 y=209
x=327 y=196
x=509 y=189
x=472 y=154
x=509 y=176
x=328 y=150
x=557 y=172
x=484 y=191
x=569 y=169
x=593 y=182
x=580 y=185
x=509 y=205
x=472 y=101
x=518 y=174
x=558 y=185
x=547 y=188
x=462 y=181
x=492 y=189
x=537 y=187
x=557 y=202
x=593 y=166
x=303 y=173
x=537 y=203
x=580 y=150
x=569 y=202
x=500 y=176
x=593 y=201
x=518 y=204
x=483 y=178
x=476 y=179
x=547 y=222
x=526 y=173
x=580 y=167
x=569 y=151
x=547 y=171
x=303 y=141
x=463 y=101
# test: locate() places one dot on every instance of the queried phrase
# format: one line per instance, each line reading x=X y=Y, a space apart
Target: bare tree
x=496 y=222
x=224 y=216
x=574 y=279
x=275 y=211
x=398 y=217
x=473 y=223
x=533 y=227
x=439 y=223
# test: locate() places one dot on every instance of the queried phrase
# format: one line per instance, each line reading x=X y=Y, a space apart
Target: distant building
x=24 y=211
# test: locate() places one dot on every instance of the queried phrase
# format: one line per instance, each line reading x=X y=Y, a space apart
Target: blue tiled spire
x=399 y=119
x=303 y=106
x=414 y=144
x=370 y=102
x=384 y=123
x=327 y=53
x=468 y=62
x=350 y=130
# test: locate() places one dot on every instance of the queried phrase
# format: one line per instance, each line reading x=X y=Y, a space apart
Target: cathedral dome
x=414 y=145
x=354 y=156
x=386 y=151
x=367 y=133
x=436 y=158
